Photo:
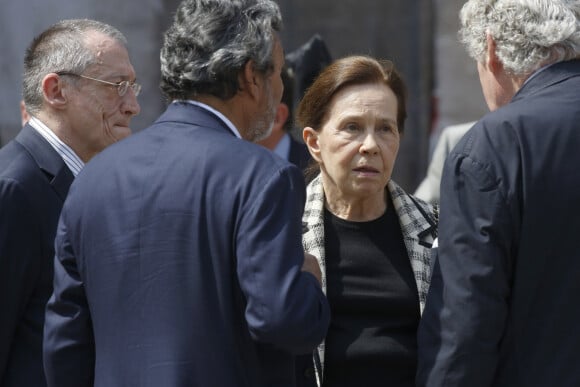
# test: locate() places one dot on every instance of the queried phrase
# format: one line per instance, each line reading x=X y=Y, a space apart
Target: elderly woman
x=373 y=240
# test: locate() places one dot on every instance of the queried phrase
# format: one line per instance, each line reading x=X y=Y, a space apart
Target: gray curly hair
x=528 y=33
x=210 y=41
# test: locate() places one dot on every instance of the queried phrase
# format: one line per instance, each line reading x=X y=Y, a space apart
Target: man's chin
x=259 y=134
x=121 y=132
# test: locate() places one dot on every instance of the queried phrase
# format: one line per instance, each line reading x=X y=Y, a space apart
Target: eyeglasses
x=121 y=87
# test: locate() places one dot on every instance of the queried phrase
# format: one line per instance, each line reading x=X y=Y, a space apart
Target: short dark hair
x=352 y=70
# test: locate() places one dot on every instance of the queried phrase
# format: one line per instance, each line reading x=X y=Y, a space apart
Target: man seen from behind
x=174 y=266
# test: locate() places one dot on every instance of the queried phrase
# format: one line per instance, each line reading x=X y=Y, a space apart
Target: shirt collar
x=70 y=158
x=226 y=121
x=282 y=149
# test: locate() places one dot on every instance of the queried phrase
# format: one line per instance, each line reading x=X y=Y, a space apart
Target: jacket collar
x=416 y=219
x=48 y=160
x=190 y=114
x=554 y=73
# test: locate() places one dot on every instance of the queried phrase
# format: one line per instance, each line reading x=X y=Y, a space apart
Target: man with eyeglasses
x=79 y=89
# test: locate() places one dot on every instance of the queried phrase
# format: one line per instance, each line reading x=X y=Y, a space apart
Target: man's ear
x=310 y=137
x=249 y=79
x=54 y=91
x=282 y=113
x=492 y=61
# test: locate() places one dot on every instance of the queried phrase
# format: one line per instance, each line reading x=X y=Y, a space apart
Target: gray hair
x=209 y=43
x=60 y=48
x=528 y=33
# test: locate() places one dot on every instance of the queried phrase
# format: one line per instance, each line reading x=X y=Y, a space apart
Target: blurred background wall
x=457 y=91
x=418 y=35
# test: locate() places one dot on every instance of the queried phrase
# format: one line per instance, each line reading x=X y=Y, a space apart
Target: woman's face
x=358 y=142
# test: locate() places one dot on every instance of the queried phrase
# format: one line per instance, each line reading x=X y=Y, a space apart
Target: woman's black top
x=374 y=301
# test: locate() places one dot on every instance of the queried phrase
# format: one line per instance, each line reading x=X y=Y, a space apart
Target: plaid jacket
x=418 y=221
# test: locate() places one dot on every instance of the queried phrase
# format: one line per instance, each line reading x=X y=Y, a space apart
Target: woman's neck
x=356 y=209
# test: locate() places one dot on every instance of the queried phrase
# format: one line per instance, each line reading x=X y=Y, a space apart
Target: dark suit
x=502 y=308
x=34 y=181
x=298 y=154
x=179 y=264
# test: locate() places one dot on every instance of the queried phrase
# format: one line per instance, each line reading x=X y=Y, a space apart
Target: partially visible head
x=88 y=115
x=307 y=61
x=353 y=115
x=527 y=33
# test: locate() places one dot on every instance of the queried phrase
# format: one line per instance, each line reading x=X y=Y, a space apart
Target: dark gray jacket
x=502 y=308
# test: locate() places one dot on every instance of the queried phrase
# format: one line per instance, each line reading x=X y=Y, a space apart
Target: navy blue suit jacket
x=34 y=181
x=503 y=304
x=298 y=154
x=178 y=264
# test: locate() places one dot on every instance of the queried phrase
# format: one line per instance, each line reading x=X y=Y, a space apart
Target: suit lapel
x=298 y=154
x=313 y=225
x=313 y=241
x=48 y=160
x=62 y=181
x=419 y=228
